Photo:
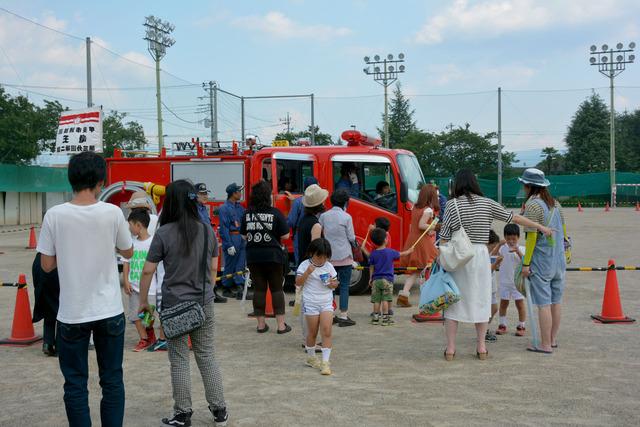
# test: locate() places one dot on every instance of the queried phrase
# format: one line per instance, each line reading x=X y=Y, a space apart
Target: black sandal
x=262 y=331
x=286 y=329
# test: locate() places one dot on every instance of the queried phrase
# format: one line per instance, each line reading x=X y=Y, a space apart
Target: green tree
x=628 y=141
x=118 y=134
x=401 y=122
x=19 y=134
x=551 y=158
x=48 y=117
x=293 y=137
x=588 y=137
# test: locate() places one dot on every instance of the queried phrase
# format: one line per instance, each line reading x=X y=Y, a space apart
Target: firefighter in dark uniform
x=233 y=246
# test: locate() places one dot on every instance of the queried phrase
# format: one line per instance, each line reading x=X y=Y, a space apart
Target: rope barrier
x=18 y=230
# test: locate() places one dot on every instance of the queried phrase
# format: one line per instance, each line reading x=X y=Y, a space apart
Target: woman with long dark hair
x=179 y=243
x=264 y=227
x=544 y=261
x=425 y=210
x=470 y=209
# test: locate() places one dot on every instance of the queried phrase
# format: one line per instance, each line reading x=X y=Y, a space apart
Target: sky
x=457 y=54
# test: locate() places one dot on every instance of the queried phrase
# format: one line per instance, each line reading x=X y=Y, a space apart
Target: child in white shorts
x=318 y=279
x=512 y=255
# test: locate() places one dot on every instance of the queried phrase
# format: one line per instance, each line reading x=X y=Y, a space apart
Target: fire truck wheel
x=359 y=281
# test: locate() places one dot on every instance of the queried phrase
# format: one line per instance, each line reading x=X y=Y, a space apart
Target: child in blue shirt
x=381 y=276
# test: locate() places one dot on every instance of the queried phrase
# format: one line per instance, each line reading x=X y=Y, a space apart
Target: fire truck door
x=288 y=171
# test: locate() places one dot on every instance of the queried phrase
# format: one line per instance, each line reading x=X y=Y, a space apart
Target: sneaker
x=345 y=322
x=217 y=298
x=325 y=368
x=521 y=331
x=375 y=320
x=181 y=419
x=403 y=301
x=387 y=321
x=313 y=362
x=502 y=330
x=160 y=345
x=220 y=416
x=151 y=334
x=142 y=345
x=490 y=336
x=335 y=319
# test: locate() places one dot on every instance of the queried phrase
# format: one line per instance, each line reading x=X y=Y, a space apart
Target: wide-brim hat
x=533 y=176
x=139 y=199
x=314 y=196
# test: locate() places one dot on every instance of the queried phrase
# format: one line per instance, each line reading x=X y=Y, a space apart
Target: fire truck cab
x=384 y=182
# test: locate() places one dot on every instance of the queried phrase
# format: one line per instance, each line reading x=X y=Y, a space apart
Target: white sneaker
x=325 y=369
x=314 y=362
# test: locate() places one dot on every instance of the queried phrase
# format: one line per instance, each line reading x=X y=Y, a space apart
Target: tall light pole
x=612 y=62
x=385 y=71
x=157 y=34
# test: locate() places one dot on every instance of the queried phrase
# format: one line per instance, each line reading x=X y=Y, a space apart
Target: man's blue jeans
x=73 y=349
x=344 y=278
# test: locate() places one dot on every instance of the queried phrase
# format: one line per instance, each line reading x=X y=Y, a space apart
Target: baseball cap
x=233 y=188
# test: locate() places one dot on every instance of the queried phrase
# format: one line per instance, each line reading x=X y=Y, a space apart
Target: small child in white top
x=318 y=279
x=512 y=255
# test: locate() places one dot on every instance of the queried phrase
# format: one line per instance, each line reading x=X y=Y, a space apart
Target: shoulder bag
x=187 y=316
x=458 y=251
x=284 y=253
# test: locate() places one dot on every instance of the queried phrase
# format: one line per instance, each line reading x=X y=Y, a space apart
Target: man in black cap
x=203 y=198
x=233 y=245
x=203 y=211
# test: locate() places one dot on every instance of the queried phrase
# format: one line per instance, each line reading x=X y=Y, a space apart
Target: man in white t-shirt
x=81 y=238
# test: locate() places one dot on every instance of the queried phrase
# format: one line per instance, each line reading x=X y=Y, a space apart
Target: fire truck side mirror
x=404 y=192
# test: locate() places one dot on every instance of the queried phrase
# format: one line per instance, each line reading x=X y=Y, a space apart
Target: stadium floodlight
x=604 y=59
x=385 y=71
x=157 y=34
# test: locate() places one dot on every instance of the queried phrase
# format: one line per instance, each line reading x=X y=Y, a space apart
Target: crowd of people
x=172 y=260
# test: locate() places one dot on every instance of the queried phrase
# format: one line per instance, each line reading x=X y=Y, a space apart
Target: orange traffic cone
x=606 y=207
x=611 y=307
x=22 y=333
x=580 y=207
x=268 y=309
x=32 y=239
x=637 y=206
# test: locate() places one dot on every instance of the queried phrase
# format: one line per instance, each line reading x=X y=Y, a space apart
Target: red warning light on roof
x=355 y=137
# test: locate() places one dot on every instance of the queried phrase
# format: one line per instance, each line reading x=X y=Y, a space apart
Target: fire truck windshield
x=411 y=175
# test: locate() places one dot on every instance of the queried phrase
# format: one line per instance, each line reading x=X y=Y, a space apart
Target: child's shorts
x=314 y=308
x=381 y=290
x=509 y=292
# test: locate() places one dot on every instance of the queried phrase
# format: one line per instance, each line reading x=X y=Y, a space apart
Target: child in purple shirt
x=381 y=276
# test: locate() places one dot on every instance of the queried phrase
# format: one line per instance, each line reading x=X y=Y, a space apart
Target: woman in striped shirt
x=475 y=213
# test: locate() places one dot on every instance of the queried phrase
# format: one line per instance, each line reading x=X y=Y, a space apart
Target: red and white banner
x=80 y=131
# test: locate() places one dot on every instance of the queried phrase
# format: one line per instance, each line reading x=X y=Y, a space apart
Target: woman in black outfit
x=309 y=227
x=264 y=227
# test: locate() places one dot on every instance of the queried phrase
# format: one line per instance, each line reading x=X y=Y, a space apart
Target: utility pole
x=313 y=121
x=157 y=36
x=386 y=77
x=213 y=112
x=604 y=59
x=89 y=90
x=500 y=145
x=242 y=117
x=287 y=122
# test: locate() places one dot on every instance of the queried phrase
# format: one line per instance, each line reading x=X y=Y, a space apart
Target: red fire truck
x=285 y=167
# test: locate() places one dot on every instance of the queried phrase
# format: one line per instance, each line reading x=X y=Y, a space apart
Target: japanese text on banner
x=79 y=131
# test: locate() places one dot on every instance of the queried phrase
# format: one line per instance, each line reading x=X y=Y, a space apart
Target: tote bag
x=458 y=251
x=439 y=292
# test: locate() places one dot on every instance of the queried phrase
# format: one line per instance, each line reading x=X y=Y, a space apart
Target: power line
x=94 y=42
x=178 y=117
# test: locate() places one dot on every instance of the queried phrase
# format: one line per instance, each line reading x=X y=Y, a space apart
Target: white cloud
x=279 y=26
x=490 y=18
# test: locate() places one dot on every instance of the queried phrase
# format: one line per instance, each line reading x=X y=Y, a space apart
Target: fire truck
x=285 y=168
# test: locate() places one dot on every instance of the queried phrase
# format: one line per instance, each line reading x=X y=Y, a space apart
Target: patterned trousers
x=203 y=350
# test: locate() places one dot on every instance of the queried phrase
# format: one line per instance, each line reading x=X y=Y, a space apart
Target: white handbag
x=459 y=250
